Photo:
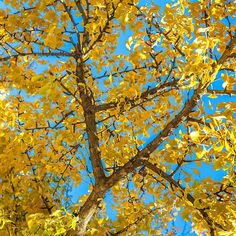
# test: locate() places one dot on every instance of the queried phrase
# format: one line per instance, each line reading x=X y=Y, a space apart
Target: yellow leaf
x=100 y=221
x=93 y=231
x=129 y=43
x=213 y=96
x=196 y=171
x=194 y=135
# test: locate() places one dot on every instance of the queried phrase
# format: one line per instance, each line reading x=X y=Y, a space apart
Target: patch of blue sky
x=2 y=5
x=183 y=228
x=83 y=189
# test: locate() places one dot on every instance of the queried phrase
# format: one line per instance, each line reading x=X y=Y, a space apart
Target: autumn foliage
x=145 y=121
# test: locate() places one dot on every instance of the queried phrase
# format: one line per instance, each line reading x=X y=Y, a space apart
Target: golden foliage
x=147 y=120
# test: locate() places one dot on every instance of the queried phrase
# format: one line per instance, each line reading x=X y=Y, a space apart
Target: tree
x=151 y=128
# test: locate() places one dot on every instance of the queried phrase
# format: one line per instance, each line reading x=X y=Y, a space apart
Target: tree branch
x=155 y=143
x=227 y=52
x=189 y=197
x=154 y=91
x=222 y=92
x=87 y=102
x=103 y=30
x=139 y=219
x=42 y=54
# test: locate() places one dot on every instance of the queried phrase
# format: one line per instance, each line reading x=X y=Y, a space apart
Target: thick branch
x=190 y=198
x=155 y=143
x=228 y=50
x=222 y=92
x=144 y=95
x=91 y=129
x=88 y=210
x=88 y=105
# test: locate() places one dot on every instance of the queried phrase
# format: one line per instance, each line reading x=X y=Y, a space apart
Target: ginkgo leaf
x=194 y=135
x=203 y=30
x=129 y=43
x=213 y=96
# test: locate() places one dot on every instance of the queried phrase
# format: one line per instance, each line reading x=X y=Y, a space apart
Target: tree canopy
x=135 y=101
